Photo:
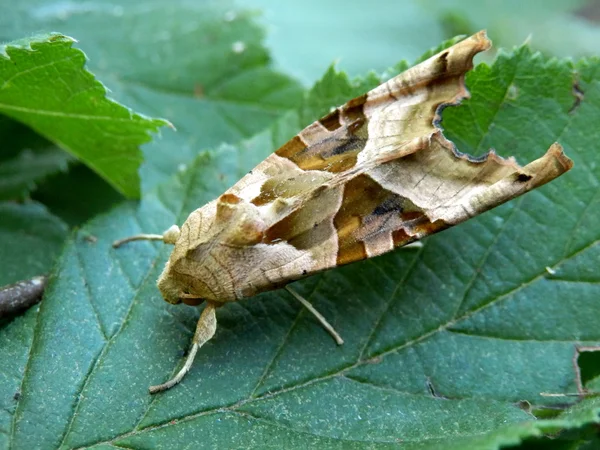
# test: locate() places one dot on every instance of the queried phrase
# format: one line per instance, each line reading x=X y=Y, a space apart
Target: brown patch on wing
x=401 y=237
x=366 y=212
x=332 y=143
x=229 y=198
x=291 y=148
x=373 y=220
x=327 y=146
x=352 y=251
x=332 y=120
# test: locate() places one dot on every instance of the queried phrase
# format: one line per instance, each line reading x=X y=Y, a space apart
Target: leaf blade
x=44 y=85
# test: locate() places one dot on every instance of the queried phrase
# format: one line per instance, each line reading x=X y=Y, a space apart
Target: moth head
x=202 y=264
x=175 y=291
x=169 y=286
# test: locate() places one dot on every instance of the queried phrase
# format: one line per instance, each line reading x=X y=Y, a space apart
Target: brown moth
x=375 y=174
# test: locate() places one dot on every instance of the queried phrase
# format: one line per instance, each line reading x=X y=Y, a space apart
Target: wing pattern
x=374 y=174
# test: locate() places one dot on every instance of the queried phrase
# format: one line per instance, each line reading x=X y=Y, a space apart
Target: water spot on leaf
x=230 y=16
x=238 y=47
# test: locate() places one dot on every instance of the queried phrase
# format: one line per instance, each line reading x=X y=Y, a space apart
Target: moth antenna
x=205 y=330
x=168 y=237
x=338 y=339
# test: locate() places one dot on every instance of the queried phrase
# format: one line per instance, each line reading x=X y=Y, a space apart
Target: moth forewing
x=375 y=174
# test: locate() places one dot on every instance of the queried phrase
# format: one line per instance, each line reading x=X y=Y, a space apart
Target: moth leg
x=205 y=330
x=168 y=237
x=338 y=339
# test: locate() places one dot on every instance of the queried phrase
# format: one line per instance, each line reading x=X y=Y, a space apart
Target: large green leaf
x=447 y=346
x=200 y=64
x=44 y=84
x=30 y=240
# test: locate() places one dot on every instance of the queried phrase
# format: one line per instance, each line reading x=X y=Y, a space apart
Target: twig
x=21 y=295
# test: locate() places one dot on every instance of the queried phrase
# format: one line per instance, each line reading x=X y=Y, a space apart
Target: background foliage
x=437 y=355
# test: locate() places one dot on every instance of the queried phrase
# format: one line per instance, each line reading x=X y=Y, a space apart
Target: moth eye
x=192 y=301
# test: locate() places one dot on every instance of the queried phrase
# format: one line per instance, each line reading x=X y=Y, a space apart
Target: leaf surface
x=446 y=345
x=43 y=84
x=201 y=65
x=30 y=240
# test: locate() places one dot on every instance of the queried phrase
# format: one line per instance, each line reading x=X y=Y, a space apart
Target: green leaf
x=26 y=159
x=30 y=240
x=44 y=85
x=92 y=195
x=19 y=175
x=201 y=65
x=445 y=345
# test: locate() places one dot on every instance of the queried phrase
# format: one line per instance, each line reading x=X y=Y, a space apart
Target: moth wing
x=377 y=173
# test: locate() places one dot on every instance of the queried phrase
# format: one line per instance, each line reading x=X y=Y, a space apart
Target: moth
x=375 y=174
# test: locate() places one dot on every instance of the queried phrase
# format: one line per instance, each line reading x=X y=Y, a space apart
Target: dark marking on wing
x=291 y=148
x=334 y=145
x=332 y=120
x=392 y=204
x=523 y=177
x=332 y=151
x=443 y=62
x=365 y=203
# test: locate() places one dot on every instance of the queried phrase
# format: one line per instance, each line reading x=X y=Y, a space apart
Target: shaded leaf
x=19 y=175
x=77 y=195
x=26 y=159
x=30 y=239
